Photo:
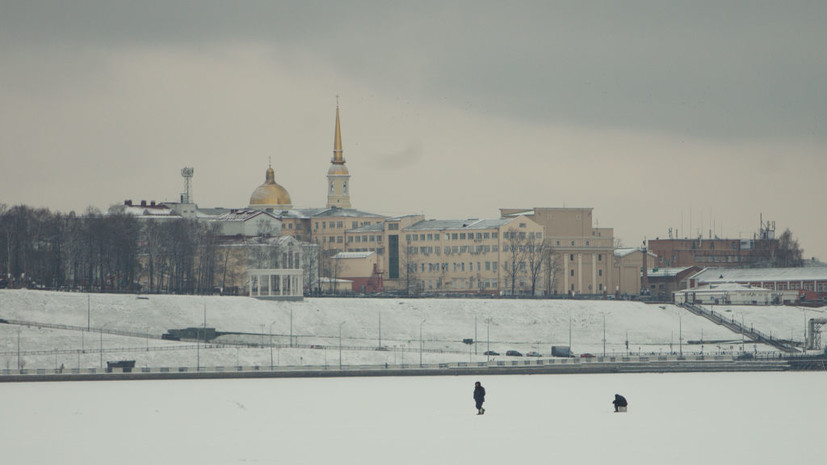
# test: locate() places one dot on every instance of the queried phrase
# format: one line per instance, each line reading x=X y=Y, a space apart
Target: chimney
x=143 y=203
x=128 y=203
x=152 y=203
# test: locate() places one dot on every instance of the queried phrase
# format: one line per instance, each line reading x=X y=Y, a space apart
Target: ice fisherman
x=479 y=397
x=619 y=401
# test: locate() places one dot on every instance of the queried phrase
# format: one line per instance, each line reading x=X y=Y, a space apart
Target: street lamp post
x=420 y=343
x=488 y=339
x=604 y=334
x=270 y=331
x=291 y=327
x=340 y=344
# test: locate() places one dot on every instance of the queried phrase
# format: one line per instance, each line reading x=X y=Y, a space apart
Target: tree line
x=105 y=252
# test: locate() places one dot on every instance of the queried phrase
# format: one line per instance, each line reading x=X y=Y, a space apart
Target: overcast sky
x=690 y=115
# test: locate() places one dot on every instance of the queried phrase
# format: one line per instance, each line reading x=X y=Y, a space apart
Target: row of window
x=599 y=257
x=453 y=236
x=452 y=250
x=364 y=238
x=340 y=224
x=458 y=267
x=469 y=284
x=717 y=258
x=599 y=287
x=795 y=286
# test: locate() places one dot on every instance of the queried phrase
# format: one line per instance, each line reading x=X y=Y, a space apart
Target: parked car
x=586 y=355
x=490 y=352
x=513 y=353
x=533 y=354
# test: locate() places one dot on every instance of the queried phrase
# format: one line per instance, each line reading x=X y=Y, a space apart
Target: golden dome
x=270 y=194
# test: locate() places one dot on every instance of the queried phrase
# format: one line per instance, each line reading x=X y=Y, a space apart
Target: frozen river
x=758 y=418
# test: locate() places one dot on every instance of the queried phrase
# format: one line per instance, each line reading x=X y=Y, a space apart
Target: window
x=571 y=257
x=600 y=257
x=391 y=226
x=571 y=272
x=462 y=235
x=599 y=272
x=339 y=224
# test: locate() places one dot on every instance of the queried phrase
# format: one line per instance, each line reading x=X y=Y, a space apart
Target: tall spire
x=338 y=159
x=338 y=177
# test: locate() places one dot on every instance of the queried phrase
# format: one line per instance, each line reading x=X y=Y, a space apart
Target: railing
x=641 y=363
x=735 y=326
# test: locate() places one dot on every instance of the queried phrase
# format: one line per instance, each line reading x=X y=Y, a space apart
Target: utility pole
x=340 y=345
x=420 y=343
x=604 y=334
x=475 y=334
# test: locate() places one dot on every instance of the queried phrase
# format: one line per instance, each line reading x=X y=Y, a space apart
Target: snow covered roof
x=721 y=275
x=666 y=272
x=144 y=210
x=237 y=216
x=337 y=212
x=350 y=255
x=626 y=251
x=471 y=223
x=726 y=287
x=375 y=227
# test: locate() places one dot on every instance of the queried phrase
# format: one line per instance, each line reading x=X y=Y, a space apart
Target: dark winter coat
x=479 y=394
x=620 y=401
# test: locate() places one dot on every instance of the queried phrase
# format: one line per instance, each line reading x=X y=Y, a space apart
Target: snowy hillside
x=523 y=325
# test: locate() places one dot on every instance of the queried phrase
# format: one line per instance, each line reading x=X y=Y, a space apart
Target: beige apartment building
x=452 y=256
x=581 y=255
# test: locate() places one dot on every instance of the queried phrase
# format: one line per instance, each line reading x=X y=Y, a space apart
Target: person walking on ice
x=479 y=397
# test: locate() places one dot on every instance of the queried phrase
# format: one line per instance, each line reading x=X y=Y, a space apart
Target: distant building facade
x=581 y=260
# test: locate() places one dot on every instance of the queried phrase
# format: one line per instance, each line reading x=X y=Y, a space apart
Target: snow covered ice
x=716 y=418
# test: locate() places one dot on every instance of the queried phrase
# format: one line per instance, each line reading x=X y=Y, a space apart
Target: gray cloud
x=701 y=69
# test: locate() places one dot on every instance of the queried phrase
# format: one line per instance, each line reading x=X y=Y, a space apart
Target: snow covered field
x=523 y=325
x=716 y=418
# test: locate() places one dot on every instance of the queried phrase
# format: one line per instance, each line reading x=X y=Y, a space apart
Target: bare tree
x=537 y=252
x=514 y=250
x=788 y=254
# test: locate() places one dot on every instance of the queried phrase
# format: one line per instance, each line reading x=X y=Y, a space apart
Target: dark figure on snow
x=479 y=397
x=620 y=401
